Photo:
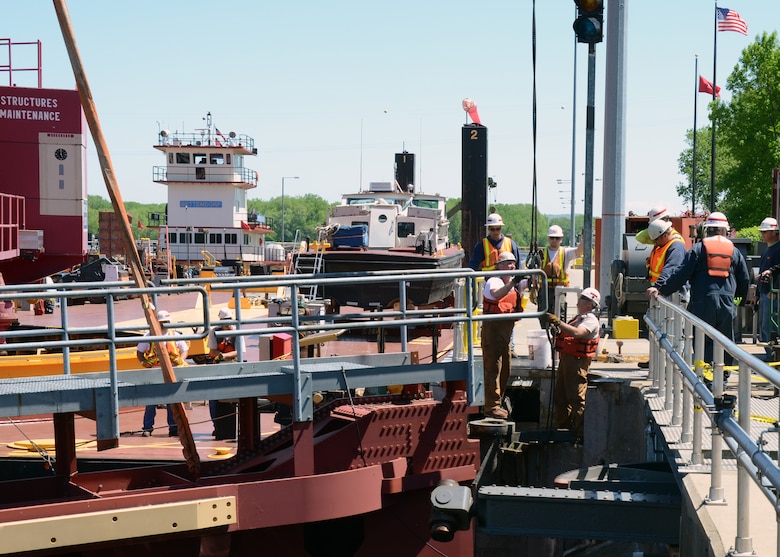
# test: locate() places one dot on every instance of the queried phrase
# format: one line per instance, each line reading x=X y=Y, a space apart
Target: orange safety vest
x=579 y=348
x=658 y=257
x=507 y=304
x=719 y=251
x=562 y=278
x=491 y=253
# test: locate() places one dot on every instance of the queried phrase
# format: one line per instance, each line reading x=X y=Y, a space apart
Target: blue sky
x=331 y=90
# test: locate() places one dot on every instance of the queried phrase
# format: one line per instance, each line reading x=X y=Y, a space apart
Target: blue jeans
x=767 y=311
x=151 y=412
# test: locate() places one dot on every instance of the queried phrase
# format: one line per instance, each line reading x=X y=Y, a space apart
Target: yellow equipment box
x=625 y=327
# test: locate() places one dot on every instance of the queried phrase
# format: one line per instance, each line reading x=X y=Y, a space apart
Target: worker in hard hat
x=485 y=254
x=503 y=294
x=577 y=342
x=659 y=212
x=556 y=260
x=768 y=283
x=668 y=253
x=718 y=274
x=176 y=350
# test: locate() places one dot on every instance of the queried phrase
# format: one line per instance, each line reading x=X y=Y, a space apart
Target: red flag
x=706 y=87
x=245 y=226
x=729 y=20
x=141 y=225
x=471 y=107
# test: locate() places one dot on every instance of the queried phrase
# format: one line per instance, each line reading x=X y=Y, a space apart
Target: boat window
x=231 y=238
x=182 y=158
x=200 y=173
x=200 y=238
x=405 y=229
x=170 y=158
x=426 y=203
x=172 y=238
x=382 y=218
x=215 y=238
x=199 y=158
x=359 y=222
x=216 y=158
x=182 y=238
x=227 y=158
x=360 y=200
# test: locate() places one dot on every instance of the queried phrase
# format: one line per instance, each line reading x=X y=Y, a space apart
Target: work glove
x=219 y=357
x=552 y=318
x=177 y=361
x=146 y=363
x=516 y=279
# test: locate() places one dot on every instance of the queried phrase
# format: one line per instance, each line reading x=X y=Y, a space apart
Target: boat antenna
x=534 y=259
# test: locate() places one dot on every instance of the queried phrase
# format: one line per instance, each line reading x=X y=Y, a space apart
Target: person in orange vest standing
x=556 y=260
x=668 y=253
x=177 y=352
x=577 y=342
x=718 y=274
x=485 y=254
x=502 y=296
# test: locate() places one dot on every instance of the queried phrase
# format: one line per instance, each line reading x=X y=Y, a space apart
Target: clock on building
x=61 y=154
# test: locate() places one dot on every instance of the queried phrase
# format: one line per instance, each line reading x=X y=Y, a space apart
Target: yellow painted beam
x=151 y=520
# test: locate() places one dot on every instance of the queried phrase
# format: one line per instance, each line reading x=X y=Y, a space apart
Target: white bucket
x=539 y=353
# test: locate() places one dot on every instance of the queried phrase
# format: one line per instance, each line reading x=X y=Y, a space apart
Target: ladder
x=310 y=262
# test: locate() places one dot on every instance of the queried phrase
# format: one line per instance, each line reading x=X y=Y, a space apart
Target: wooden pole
x=136 y=268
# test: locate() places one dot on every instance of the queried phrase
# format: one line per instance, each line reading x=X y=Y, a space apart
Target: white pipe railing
x=677 y=340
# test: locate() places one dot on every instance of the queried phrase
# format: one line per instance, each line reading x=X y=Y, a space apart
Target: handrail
x=677 y=340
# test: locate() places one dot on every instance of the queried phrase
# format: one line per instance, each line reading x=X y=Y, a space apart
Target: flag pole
x=693 y=162
x=712 y=118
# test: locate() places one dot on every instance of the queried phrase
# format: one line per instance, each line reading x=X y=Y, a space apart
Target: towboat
x=389 y=227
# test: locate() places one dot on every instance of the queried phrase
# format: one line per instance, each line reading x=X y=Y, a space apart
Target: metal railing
x=677 y=343
x=462 y=367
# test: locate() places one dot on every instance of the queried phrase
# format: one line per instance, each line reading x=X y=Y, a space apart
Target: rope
x=534 y=260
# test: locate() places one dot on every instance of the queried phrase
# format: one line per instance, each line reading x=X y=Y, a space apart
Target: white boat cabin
x=386 y=219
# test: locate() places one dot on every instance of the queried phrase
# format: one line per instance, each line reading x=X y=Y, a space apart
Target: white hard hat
x=657 y=228
x=555 y=231
x=657 y=212
x=494 y=219
x=717 y=220
x=163 y=316
x=593 y=295
x=507 y=256
x=768 y=224
x=225 y=313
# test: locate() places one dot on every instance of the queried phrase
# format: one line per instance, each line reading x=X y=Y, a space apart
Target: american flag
x=729 y=20
x=219 y=134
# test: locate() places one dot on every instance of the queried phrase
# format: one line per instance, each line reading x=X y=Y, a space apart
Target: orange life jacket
x=719 y=251
x=507 y=304
x=491 y=253
x=556 y=279
x=577 y=347
x=227 y=344
x=658 y=257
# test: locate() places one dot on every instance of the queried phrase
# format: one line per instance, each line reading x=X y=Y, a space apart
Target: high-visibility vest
x=170 y=346
x=658 y=257
x=562 y=278
x=491 y=253
x=719 y=251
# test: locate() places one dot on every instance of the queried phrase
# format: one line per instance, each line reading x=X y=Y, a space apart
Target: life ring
x=260 y=241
